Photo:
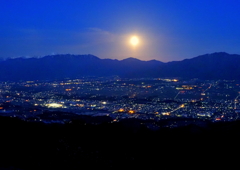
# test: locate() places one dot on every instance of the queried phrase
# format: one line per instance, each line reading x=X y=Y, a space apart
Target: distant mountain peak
x=155 y=61
x=131 y=59
x=216 y=54
x=220 y=53
x=220 y=65
x=70 y=56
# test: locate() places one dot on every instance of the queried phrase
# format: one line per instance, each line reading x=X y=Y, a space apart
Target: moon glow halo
x=134 y=41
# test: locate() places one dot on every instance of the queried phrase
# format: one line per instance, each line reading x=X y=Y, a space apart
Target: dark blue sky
x=168 y=29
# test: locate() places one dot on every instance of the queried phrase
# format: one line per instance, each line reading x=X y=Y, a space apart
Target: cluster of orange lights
x=68 y=89
x=129 y=111
x=166 y=113
x=80 y=105
x=121 y=110
x=147 y=86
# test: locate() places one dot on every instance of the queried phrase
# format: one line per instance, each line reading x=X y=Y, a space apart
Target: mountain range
x=219 y=65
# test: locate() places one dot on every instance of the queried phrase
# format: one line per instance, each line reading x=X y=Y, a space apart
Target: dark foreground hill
x=209 y=66
x=76 y=145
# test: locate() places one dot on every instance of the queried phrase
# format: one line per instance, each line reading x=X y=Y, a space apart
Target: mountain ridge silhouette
x=219 y=65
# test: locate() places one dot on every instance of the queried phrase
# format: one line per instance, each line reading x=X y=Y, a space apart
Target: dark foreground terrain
x=76 y=145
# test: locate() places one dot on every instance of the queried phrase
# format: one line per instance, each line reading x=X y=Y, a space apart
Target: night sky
x=167 y=29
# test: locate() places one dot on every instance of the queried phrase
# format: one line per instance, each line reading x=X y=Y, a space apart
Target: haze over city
x=167 y=30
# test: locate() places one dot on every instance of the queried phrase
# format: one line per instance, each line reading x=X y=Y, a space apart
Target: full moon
x=134 y=40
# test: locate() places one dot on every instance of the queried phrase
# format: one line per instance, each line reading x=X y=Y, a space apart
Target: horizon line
x=28 y=57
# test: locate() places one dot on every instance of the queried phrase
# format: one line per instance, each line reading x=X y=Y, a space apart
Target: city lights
x=54 y=105
x=121 y=110
x=147 y=99
x=131 y=111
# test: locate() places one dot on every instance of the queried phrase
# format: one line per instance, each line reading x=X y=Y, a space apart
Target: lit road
x=208 y=88
x=177 y=95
